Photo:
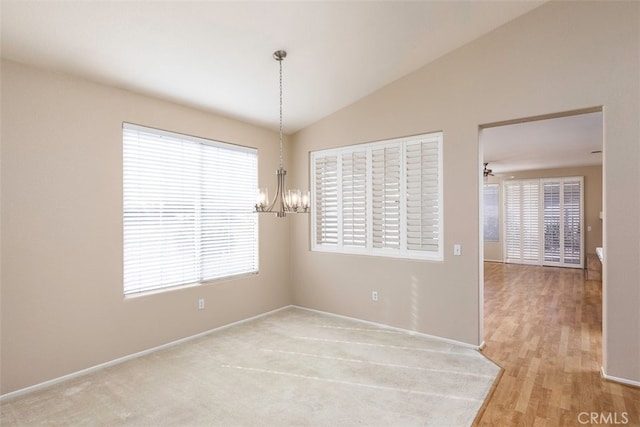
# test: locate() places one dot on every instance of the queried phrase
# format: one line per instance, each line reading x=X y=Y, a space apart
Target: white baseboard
x=110 y=363
x=382 y=325
x=625 y=381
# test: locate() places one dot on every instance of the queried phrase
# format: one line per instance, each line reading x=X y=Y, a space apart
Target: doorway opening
x=541 y=210
x=542 y=189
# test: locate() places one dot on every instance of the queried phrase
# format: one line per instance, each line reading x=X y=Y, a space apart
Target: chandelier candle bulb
x=306 y=201
x=262 y=199
x=294 y=199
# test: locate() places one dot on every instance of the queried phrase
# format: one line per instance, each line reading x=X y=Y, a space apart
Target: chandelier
x=285 y=201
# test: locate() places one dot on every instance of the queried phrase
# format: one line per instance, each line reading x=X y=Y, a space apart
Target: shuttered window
x=187 y=209
x=382 y=198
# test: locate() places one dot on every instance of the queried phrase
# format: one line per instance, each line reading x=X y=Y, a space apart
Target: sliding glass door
x=544 y=222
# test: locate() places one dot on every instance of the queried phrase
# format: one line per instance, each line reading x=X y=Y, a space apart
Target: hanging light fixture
x=291 y=201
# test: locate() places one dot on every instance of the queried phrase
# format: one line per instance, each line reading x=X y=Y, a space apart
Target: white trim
x=480 y=260
x=393 y=328
x=618 y=380
x=123 y=359
x=494 y=260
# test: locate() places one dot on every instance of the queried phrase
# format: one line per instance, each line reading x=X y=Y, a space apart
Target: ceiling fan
x=487 y=172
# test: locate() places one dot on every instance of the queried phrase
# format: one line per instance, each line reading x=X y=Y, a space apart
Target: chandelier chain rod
x=281 y=157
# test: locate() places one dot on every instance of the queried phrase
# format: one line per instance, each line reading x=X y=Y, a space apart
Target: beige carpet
x=290 y=368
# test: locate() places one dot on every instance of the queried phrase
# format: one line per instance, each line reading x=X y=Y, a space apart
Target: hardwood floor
x=543 y=327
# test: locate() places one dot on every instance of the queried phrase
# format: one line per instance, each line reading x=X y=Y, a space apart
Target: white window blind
x=381 y=198
x=187 y=209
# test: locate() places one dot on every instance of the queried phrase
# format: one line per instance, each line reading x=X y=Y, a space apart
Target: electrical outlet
x=201 y=304
x=374 y=296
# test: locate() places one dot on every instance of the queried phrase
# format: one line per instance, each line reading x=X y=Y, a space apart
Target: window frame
x=403 y=251
x=206 y=153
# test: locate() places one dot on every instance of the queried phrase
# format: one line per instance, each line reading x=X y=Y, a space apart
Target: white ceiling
x=217 y=56
x=544 y=144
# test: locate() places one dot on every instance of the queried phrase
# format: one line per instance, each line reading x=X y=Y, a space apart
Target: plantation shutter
x=522 y=222
x=326 y=200
x=422 y=195
x=572 y=213
x=187 y=209
x=385 y=182
x=513 y=226
x=563 y=199
x=354 y=199
x=552 y=224
x=531 y=222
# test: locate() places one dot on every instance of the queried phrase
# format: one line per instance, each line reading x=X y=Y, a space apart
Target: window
x=188 y=209
x=491 y=197
x=382 y=198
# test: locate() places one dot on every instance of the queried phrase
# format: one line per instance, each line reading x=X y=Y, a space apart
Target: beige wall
x=560 y=57
x=493 y=251
x=62 y=302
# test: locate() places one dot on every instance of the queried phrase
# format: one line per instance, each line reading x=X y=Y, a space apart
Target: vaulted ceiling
x=217 y=56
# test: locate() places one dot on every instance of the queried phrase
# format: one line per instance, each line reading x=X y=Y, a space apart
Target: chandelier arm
x=283 y=208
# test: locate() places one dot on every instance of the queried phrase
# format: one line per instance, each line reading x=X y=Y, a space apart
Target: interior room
x=400 y=96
